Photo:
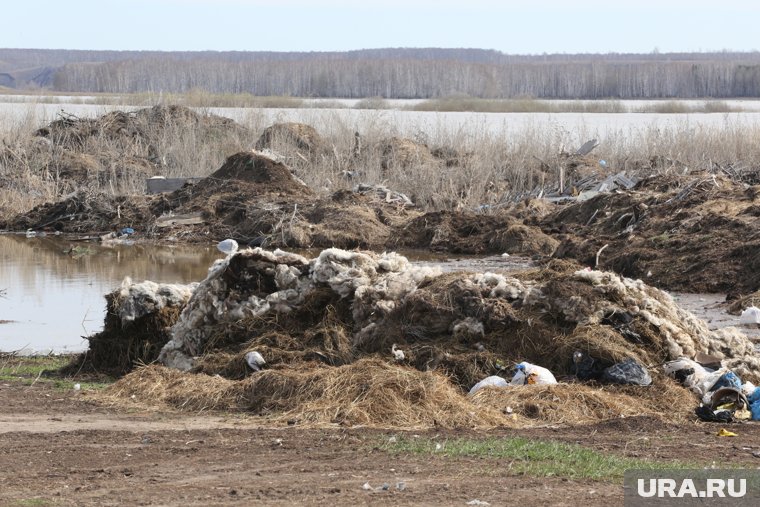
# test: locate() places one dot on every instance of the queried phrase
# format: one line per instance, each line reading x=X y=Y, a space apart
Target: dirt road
x=60 y=448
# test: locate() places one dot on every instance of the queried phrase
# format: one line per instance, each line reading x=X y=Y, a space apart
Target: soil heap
x=304 y=138
x=695 y=234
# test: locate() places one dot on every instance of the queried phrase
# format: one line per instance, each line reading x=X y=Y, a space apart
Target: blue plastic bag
x=728 y=379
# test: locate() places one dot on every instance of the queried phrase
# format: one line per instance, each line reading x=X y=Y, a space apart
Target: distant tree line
x=404 y=73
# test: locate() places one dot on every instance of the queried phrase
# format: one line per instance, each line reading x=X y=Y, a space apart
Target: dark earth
x=63 y=447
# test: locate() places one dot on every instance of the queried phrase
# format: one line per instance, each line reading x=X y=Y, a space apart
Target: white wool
x=286 y=277
x=467 y=328
x=173 y=355
x=376 y=283
x=499 y=285
x=138 y=299
x=392 y=262
x=343 y=271
x=685 y=334
x=214 y=302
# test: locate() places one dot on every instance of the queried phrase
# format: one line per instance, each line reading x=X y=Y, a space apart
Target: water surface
x=54 y=288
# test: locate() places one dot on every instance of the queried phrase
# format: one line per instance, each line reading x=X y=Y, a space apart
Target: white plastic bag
x=750 y=316
x=528 y=373
x=492 y=381
x=694 y=380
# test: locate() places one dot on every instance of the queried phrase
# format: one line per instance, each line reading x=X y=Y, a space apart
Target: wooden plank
x=185 y=219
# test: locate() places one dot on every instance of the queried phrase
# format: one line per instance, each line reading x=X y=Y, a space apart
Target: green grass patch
x=30 y=370
x=538 y=458
x=660 y=238
x=32 y=502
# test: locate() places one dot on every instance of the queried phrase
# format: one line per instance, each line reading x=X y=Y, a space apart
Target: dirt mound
x=695 y=235
x=88 y=212
x=471 y=233
x=254 y=198
x=143 y=126
x=300 y=136
x=326 y=327
x=403 y=153
x=267 y=176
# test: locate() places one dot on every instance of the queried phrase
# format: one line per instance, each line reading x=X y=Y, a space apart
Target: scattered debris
x=384 y=194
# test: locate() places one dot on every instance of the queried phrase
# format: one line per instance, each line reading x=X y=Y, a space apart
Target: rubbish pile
x=472 y=233
x=694 y=233
x=363 y=338
x=137 y=128
x=257 y=200
x=88 y=212
x=724 y=397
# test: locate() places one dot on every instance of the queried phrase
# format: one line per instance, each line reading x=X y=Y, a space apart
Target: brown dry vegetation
x=695 y=234
x=691 y=224
x=465 y=168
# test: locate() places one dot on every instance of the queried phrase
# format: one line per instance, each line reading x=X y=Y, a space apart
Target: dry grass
x=583 y=403
x=470 y=165
x=374 y=393
x=368 y=393
x=528 y=105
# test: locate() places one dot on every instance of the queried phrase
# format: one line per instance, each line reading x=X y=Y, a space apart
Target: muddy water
x=54 y=295
x=711 y=309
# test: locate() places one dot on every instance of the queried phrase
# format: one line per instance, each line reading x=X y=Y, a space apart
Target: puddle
x=52 y=299
x=493 y=263
x=711 y=309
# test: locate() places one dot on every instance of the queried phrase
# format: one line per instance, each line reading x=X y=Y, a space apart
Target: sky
x=515 y=27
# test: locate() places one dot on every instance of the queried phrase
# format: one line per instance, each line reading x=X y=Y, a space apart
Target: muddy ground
x=60 y=447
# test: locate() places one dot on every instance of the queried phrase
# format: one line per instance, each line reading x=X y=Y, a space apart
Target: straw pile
x=368 y=392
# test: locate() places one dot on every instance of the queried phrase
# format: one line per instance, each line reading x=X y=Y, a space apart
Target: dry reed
x=469 y=165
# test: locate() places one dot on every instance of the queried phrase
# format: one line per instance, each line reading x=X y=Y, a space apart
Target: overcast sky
x=528 y=26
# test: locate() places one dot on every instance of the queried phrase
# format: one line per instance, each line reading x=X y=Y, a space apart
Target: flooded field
x=55 y=288
x=410 y=123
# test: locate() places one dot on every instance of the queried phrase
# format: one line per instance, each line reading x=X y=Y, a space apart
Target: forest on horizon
x=404 y=73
